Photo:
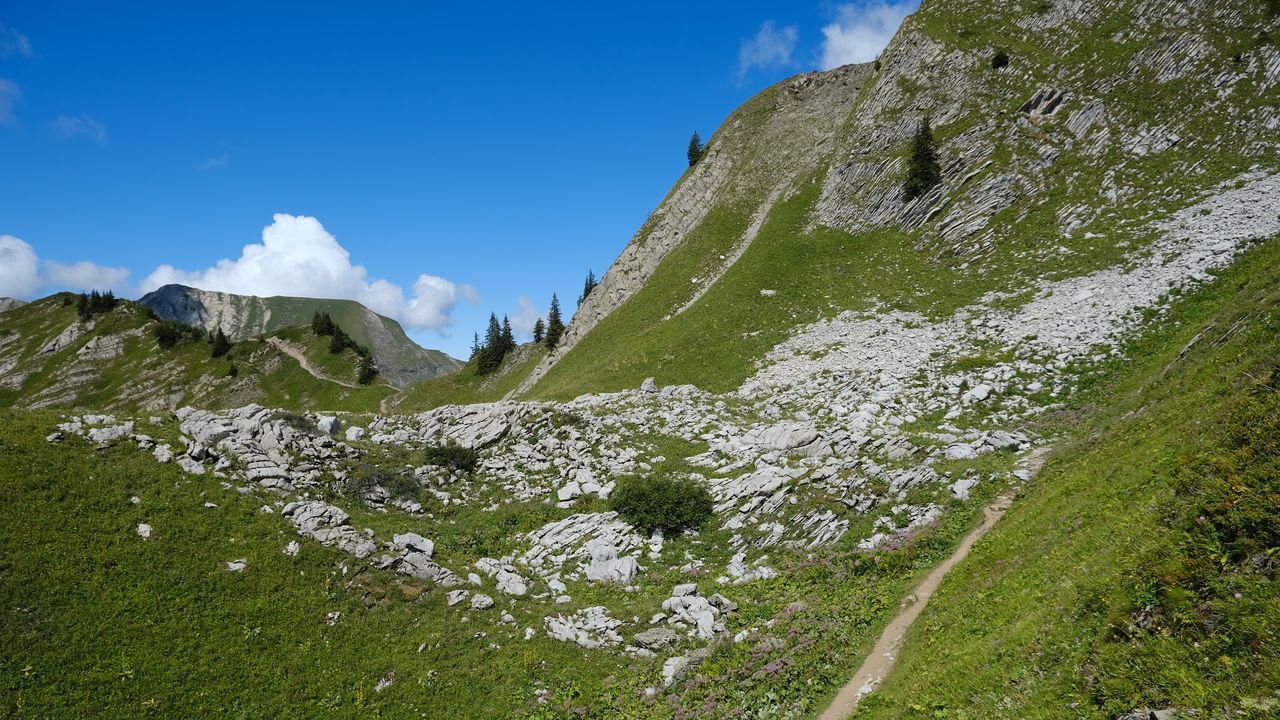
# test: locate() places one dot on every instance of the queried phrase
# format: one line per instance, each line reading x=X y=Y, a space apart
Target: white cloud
x=85 y=275
x=469 y=293
x=299 y=257
x=24 y=275
x=9 y=94
x=860 y=32
x=19 y=268
x=770 y=48
x=13 y=43
x=525 y=318
x=68 y=127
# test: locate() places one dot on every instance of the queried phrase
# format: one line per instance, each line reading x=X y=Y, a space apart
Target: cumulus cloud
x=526 y=317
x=85 y=276
x=860 y=32
x=297 y=256
x=24 y=275
x=770 y=48
x=68 y=127
x=9 y=94
x=14 y=43
x=19 y=268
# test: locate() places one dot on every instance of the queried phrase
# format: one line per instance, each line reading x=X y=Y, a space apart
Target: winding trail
x=292 y=351
x=885 y=653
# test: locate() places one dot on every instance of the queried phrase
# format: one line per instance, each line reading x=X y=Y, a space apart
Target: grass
x=465 y=386
x=146 y=377
x=1103 y=589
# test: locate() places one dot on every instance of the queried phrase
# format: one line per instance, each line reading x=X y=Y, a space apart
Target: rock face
x=399 y=359
x=327 y=525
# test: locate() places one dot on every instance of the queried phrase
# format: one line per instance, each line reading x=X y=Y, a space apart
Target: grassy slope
x=818 y=272
x=465 y=386
x=1064 y=563
x=1039 y=620
x=145 y=375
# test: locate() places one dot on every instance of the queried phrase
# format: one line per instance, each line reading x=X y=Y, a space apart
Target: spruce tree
x=555 y=326
x=221 y=344
x=695 y=149
x=492 y=351
x=587 y=286
x=539 y=331
x=508 y=338
x=368 y=371
x=475 y=345
x=923 y=170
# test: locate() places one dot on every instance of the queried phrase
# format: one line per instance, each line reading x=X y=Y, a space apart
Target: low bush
x=454 y=457
x=1000 y=60
x=666 y=503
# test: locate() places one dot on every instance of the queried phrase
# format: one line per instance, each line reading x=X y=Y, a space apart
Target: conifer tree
x=475 y=345
x=340 y=341
x=923 y=170
x=587 y=286
x=539 y=331
x=221 y=344
x=695 y=149
x=368 y=371
x=508 y=338
x=491 y=351
x=555 y=325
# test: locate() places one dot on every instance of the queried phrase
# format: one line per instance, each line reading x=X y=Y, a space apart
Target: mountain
x=1107 y=116
x=51 y=358
x=402 y=361
x=8 y=303
x=1009 y=449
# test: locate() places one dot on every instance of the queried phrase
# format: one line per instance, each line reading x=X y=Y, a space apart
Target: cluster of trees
x=923 y=169
x=324 y=326
x=88 y=305
x=587 y=286
x=498 y=341
x=171 y=333
x=696 y=149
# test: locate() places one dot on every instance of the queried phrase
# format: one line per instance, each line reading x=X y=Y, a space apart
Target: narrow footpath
x=885 y=653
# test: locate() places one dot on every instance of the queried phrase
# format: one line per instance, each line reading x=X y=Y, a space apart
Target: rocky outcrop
x=399 y=359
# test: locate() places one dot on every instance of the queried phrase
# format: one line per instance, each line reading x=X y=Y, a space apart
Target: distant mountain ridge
x=8 y=303
x=400 y=360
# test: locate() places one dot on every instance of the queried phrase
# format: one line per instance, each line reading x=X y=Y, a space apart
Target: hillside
x=50 y=358
x=402 y=361
x=783 y=412
x=8 y=303
x=1109 y=117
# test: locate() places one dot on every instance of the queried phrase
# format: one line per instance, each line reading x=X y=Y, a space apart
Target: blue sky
x=435 y=161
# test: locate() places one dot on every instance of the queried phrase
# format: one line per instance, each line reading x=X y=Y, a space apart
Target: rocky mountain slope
x=8 y=303
x=1109 y=116
x=850 y=378
x=402 y=361
x=49 y=357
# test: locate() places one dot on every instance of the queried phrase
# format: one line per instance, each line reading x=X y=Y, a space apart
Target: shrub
x=454 y=457
x=1000 y=60
x=368 y=371
x=295 y=421
x=232 y=370
x=670 y=504
x=221 y=344
x=364 y=477
x=170 y=333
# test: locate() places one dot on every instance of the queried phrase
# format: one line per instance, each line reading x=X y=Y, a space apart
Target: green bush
x=671 y=504
x=454 y=457
x=170 y=333
x=999 y=60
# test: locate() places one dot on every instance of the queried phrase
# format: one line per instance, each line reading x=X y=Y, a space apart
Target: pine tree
x=340 y=341
x=475 y=346
x=321 y=324
x=508 y=338
x=923 y=170
x=587 y=286
x=555 y=326
x=695 y=149
x=539 y=331
x=368 y=371
x=492 y=351
x=221 y=344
